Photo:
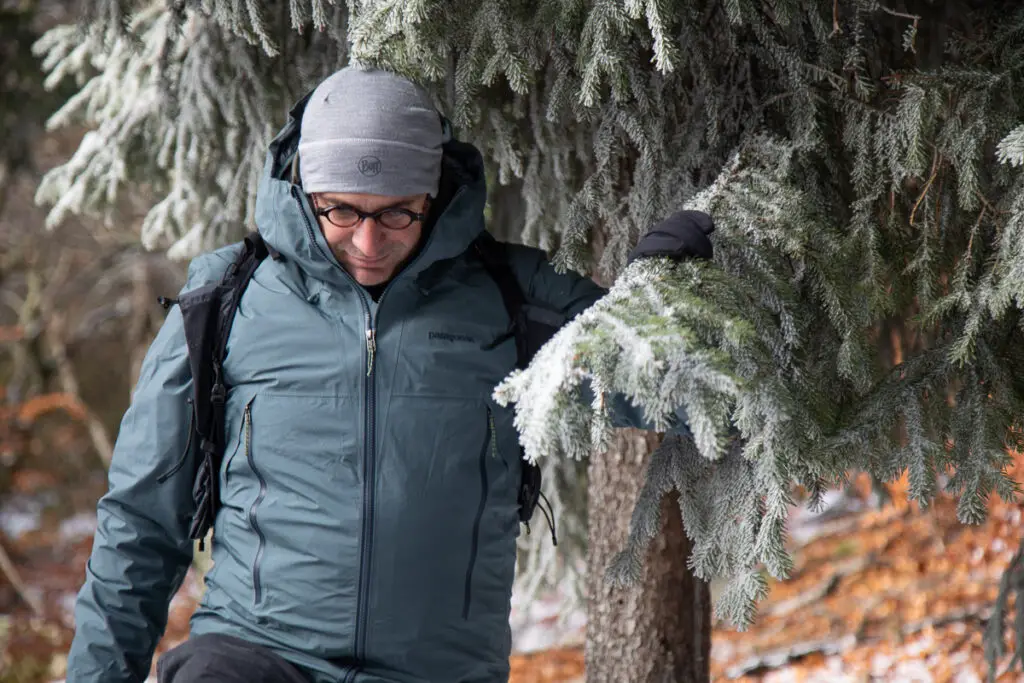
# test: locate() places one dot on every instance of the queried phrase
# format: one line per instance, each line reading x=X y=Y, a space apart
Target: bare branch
x=10 y=571
x=69 y=383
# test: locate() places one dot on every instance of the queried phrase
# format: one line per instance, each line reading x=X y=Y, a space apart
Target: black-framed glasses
x=390 y=217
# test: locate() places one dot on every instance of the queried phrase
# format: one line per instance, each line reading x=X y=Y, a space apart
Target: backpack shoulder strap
x=208 y=313
x=530 y=334
x=235 y=281
x=494 y=257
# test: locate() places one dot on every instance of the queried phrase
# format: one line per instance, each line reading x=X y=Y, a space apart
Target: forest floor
x=887 y=594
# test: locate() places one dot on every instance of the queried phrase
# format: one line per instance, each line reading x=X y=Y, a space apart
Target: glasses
x=391 y=217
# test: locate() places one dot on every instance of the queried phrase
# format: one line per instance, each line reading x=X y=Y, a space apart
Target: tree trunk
x=658 y=631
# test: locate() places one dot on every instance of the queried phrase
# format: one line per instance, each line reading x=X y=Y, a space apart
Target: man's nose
x=368 y=237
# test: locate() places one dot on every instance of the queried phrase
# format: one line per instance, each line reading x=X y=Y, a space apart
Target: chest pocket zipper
x=257 y=587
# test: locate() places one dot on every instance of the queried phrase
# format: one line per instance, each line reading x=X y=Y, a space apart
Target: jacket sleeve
x=571 y=294
x=141 y=550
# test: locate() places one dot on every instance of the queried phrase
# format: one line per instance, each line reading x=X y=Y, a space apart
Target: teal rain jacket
x=369 y=518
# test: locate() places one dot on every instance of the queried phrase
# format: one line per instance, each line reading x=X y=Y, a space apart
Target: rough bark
x=658 y=631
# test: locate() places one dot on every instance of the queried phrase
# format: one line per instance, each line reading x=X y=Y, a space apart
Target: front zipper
x=369 y=477
x=257 y=588
x=369 y=440
x=489 y=441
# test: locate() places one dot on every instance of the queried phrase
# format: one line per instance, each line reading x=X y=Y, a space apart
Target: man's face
x=371 y=252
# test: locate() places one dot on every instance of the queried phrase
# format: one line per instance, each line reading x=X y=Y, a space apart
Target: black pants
x=213 y=658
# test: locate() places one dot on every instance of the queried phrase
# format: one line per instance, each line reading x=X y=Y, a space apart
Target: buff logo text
x=369 y=166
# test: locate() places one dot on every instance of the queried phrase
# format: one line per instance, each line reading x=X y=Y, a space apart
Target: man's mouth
x=367 y=262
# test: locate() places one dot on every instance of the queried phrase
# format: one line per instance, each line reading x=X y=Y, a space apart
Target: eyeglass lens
x=346 y=217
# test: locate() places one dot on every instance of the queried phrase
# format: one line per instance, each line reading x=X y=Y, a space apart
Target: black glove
x=684 y=234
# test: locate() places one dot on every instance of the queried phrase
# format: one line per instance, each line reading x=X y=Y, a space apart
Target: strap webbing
x=492 y=254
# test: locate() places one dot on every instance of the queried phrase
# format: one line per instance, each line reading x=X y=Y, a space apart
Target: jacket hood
x=285 y=218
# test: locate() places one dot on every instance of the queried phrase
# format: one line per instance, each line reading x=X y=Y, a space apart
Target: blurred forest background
x=77 y=311
x=881 y=590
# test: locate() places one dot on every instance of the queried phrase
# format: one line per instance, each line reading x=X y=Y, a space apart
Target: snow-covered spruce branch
x=1011 y=148
x=632 y=343
x=760 y=348
x=181 y=104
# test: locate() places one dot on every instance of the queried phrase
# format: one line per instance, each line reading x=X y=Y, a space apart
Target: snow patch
x=540 y=625
x=20 y=516
x=81 y=525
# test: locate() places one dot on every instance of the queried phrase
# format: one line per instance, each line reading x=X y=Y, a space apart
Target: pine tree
x=862 y=161
x=26 y=103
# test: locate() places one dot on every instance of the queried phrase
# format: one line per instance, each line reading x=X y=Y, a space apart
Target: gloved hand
x=684 y=234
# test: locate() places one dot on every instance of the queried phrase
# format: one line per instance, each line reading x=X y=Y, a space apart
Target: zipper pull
x=371 y=349
x=247 y=421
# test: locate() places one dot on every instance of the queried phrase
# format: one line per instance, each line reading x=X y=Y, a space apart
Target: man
x=368 y=489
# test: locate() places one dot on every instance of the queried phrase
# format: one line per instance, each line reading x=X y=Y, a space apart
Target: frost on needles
x=766 y=350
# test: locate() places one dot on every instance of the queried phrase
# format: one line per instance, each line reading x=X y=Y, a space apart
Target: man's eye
x=395 y=218
x=343 y=215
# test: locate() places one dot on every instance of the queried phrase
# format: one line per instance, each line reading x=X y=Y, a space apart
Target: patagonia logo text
x=449 y=337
